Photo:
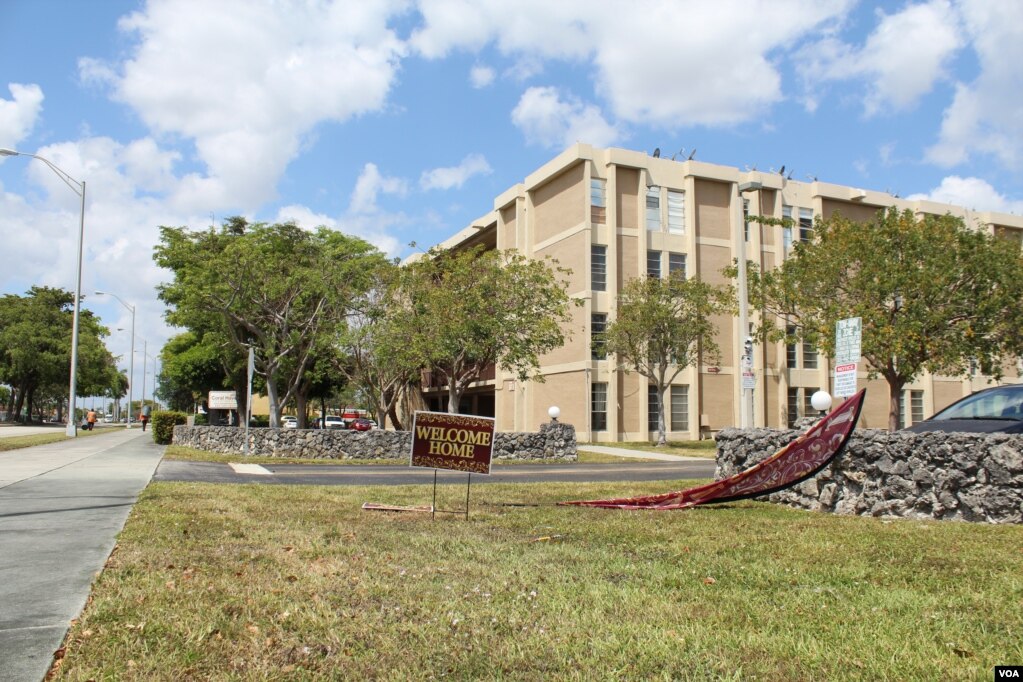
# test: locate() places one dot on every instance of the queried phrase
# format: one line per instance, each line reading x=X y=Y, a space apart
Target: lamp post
x=142 y=397
x=746 y=357
x=131 y=360
x=79 y=189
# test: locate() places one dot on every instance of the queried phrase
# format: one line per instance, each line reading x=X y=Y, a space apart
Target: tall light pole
x=131 y=360
x=142 y=398
x=79 y=189
x=746 y=355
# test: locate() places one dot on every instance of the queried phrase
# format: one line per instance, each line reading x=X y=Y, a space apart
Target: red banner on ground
x=452 y=441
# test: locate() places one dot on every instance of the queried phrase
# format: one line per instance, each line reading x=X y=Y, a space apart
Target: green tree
x=277 y=288
x=663 y=326
x=35 y=349
x=191 y=365
x=461 y=312
x=932 y=294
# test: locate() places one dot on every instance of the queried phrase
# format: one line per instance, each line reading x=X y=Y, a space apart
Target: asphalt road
x=313 y=474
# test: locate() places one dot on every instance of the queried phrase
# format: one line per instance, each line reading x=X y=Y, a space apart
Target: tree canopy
x=277 y=288
x=460 y=312
x=933 y=295
x=35 y=350
x=663 y=326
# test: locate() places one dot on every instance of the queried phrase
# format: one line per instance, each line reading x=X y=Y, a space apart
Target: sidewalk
x=640 y=454
x=61 y=508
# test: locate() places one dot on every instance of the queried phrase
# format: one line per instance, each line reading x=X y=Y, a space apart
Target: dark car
x=991 y=410
x=361 y=425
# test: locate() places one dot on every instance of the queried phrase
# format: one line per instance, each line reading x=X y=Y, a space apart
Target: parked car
x=990 y=410
x=363 y=425
x=332 y=422
x=109 y=419
x=289 y=422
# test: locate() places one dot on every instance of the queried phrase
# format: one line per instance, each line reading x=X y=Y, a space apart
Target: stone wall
x=554 y=441
x=961 y=476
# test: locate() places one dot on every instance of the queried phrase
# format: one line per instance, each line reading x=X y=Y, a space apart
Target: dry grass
x=278 y=582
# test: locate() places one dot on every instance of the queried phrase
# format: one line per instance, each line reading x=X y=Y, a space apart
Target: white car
x=332 y=422
x=289 y=422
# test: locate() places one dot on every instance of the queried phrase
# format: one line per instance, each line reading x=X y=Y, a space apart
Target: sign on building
x=223 y=400
x=452 y=441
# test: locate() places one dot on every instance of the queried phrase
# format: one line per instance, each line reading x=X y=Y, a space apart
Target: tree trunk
x=453 y=396
x=301 y=403
x=393 y=414
x=894 y=391
x=271 y=394
x=661 y=430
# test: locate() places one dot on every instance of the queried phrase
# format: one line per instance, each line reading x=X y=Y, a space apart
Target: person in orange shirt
x=90 y=419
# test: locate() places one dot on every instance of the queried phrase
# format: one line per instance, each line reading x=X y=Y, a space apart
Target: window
x=679 y=408
x=805 y=224
x=793 y=407
x=653 y=208
x=598 y=201
x=676 y=212
x=677 y=263
x=598 y=267
x=916 y=408
x=651 y=409
x=598 y=341
x=598 y=407
x=653 y=264
x=791 y=357
x=809 y=356
x=916 y=405
x=808 y=410
x=786 y=231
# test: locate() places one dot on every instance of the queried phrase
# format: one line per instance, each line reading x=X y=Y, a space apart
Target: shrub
x=164 y=423
x=201 y=420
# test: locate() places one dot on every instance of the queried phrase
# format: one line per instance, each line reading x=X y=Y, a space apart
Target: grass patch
x=58 y=435
x=280 y=582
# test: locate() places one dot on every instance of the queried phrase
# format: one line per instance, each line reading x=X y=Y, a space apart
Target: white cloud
x=247 y=81
x=18 y=115
x=986 y=116
x=651 y=61
x=900 y=61
x=372 y=229
x=455 y=176
x=548 y=120
x=369 y=185
x=481 y=76
x=973 y=193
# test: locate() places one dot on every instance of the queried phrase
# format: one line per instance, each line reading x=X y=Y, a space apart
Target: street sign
x=223 y=400
x=749 y=379
x=845 y=380
x=848 y=338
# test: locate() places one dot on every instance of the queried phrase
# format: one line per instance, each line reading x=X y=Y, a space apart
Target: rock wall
x=554 y=441
x=961 y=476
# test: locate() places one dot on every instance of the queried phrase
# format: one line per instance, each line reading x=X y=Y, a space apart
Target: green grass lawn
x=281 y=582
x=18 y=442
x=686 y=448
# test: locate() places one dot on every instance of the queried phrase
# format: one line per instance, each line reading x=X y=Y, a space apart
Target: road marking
x=253 y=469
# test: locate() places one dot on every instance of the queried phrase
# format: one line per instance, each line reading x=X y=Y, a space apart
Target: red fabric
x=797 y=461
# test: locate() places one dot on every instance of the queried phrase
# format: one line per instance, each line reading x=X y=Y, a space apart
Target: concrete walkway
x=640 y=454
x=61 y=508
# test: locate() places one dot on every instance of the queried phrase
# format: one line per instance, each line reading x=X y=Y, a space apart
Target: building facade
x=610 y=215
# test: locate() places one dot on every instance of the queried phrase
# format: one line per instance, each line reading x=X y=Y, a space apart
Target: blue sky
x=400 y=121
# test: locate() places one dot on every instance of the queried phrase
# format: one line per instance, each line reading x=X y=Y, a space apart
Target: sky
x=400 y=121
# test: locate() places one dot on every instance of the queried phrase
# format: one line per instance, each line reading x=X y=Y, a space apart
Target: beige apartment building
x=613 y=214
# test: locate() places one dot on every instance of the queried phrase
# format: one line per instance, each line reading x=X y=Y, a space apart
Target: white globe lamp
x=554 y=412
x=821 y=401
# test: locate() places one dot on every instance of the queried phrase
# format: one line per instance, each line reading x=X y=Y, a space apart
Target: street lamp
x=131 y=360
x=79 y=189
x=142 y=398
x=746 y=359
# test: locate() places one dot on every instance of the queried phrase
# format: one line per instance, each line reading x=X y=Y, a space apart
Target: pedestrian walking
x=90 y=420
x=144 y=417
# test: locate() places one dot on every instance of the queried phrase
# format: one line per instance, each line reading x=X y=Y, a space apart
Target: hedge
x=164 y=423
